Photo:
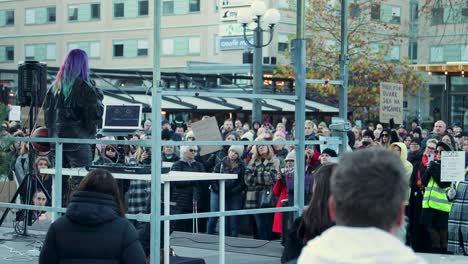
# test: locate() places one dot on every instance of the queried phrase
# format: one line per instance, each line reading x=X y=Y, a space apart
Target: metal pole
x=155 y=241
x=222 y=222
x=299 y=63
x=57 y=189
x=257 y=72
x=344 y=62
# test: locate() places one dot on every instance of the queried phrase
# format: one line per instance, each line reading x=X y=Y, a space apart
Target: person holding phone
x=435 y=205
x=418 y=237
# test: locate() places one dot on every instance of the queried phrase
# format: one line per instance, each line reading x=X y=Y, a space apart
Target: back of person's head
x=368 y=189
x=75 y=66
x=102 y=181
x=316 y=218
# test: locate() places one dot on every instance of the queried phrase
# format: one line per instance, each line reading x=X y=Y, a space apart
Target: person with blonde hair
x=260 y=178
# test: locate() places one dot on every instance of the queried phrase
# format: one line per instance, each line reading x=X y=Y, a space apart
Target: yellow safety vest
x=435 y=197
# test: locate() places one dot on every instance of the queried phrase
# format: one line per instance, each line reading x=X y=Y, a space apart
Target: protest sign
x=207 y=130
x=391 y=102
x=452 y=166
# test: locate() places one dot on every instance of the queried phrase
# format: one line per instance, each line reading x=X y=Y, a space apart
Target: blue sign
x=234 y=43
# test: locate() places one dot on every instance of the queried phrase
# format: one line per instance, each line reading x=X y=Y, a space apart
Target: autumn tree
x=374 y=32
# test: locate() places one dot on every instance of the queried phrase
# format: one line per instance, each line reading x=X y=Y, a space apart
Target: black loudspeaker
x=247 y=57
x=32 y=83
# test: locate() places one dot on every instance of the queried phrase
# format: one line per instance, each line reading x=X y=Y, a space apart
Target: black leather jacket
x=76 y=118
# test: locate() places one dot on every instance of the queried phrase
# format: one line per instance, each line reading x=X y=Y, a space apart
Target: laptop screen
x=126 y=117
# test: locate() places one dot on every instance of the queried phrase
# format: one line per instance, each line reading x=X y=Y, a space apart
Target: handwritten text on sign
x=391 y=102
x=452 y=166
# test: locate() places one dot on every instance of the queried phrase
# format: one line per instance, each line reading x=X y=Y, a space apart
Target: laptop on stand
x=121 y=120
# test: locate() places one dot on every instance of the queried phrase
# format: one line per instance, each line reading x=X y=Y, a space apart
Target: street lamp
x=258 y=13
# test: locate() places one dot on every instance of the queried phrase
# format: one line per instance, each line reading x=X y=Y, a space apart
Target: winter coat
x=260 y=174
x=280 y=189
x=77 y=117
x=232 y=187
x=341 y=244
x=92 y=231
x=458 y=221
x=185 y=193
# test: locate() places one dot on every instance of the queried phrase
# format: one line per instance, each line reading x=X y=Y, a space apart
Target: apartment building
x=118 y=34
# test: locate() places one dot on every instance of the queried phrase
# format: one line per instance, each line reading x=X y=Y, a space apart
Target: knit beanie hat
x=290 y=156
x=330 y=152
x=248 y=136
x=237 y=149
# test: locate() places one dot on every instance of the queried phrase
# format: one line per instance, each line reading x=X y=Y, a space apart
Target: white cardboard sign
x=452 y=166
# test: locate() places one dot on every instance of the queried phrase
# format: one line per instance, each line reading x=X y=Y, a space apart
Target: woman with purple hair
x=72 y=109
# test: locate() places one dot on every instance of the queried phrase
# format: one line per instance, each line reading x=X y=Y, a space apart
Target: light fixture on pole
x=258 y=13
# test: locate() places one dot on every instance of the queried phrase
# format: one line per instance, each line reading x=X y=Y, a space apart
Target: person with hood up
x=94 y=228
x=368 y=190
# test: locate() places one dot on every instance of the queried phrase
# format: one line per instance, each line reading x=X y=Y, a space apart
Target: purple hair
x=74 y=66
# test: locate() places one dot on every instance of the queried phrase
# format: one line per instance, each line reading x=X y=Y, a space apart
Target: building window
x=413 y=51
x=142 y=48
x=92 y=48
x=393 y=54
x=7 y=53
x=143 y=7
x=119 y=10
x=168 y=7
x=51 y=14
x=40 y=52
x=194 y=5
x=167 y=47
x=72 y=13
x=130 y=48
x=436 y=54
x=118 y=50
x=40 y=15
x=282 y=42
x=84 y=12
x=7 y=18
x=181 y=46
x=386 y=13
x=437 y=17
x=95 y=11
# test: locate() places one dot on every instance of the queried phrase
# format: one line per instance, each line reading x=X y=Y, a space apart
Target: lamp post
x=258 y=13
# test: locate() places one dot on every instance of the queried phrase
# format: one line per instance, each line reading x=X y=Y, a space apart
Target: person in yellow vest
x=435 y=205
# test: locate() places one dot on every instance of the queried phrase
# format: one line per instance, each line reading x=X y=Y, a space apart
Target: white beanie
x=291 y=156
x=239 y=149
x=248 y=135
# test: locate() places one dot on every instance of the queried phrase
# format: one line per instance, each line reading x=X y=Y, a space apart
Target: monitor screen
x=122 y=116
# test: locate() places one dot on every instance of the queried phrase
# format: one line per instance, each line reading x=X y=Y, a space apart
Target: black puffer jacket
x=92 y=231
x=76 y=118
x=183 y=193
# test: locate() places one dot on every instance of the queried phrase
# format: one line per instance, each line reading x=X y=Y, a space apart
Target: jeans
x=264 y=224
x=232 y=222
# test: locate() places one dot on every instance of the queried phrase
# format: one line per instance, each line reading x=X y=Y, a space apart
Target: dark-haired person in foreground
x=367 y=203
x=94 y=228
x=316 y=217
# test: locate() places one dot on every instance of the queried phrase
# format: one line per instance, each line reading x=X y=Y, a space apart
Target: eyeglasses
x=431 y=148
x=384 y=135
x=110 y=149
x=193 y=150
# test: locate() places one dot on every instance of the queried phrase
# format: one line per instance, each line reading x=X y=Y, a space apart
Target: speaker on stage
x=32 y=83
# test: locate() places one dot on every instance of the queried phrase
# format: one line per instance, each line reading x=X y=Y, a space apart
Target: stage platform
x=20 y=249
